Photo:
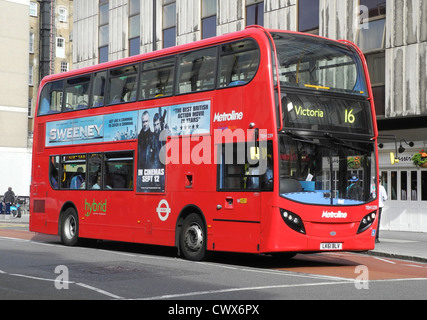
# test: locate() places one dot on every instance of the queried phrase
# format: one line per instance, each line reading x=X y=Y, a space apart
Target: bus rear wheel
x=193 y=238
x=70 y=227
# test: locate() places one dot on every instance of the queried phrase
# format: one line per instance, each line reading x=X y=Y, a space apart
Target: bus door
x=236 y=223
x=241 y=178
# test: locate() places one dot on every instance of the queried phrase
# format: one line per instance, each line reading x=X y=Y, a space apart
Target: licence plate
x=331 y=246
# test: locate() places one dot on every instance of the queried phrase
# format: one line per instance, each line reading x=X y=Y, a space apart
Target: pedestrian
x=9 y=199
x=383 y=198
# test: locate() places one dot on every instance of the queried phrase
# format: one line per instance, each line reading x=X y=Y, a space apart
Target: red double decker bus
x=259 y=141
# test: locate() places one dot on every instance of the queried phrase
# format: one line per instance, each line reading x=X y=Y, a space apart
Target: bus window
x=197 y=71
x=95 y=171
x=123 y=84
x=54 y=172
x=119 y=170
x=157 y=78
x=98 y=88
x=237 y=172
x=51 y=98
x=238 y=63
x=77 y=93
x=73 y=171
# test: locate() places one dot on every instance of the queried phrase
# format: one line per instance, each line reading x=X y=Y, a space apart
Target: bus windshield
x=325 y=170
x=318 y=64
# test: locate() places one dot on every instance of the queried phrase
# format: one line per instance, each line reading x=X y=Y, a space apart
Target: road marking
x=34 y=278
x=197 y=293
x=106 y=293
x=397 y=241
x=385 y=260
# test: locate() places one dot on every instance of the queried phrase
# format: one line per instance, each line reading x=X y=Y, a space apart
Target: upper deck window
x=51 y=98
x=77 y=93
x=197 y=70
x=123 y=84
x=238 y=63
x=157 y=78
x=318 y=64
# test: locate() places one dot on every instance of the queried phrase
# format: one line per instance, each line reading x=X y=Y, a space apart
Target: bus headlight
x=292 y=220
x=366 y=222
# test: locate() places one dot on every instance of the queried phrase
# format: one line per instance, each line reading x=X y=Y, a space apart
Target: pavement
x=393 y=244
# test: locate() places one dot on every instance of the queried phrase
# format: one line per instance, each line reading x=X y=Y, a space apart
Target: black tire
x=70 y=227
x=192 y=238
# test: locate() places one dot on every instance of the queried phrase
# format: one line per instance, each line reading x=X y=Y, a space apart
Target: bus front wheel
x=193 y=238
x=70 y=227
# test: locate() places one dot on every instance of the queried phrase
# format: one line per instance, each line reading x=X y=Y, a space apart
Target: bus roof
x=248 y=31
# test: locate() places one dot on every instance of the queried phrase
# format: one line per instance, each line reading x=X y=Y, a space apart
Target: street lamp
x=401 y=148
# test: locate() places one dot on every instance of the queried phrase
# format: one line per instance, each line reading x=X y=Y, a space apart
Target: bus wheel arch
x=191 y=233
x=68 y=225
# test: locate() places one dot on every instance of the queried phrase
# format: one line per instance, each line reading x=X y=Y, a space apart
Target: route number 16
x=349 y=116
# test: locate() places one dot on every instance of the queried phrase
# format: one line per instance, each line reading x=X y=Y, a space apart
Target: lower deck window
x=93 y=171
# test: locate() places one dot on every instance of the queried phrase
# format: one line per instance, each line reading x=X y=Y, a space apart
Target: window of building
x=30 y=75
x=30 y=107
x=63 y=14
x=254 y=12
x=134 y=27
x=375 y=7
x=31 y=46
x=103 y=32
x=60 y=47
x=33 y=9
x=64 y=66
x=308 y=16
x=371 y=40
x=169 y=23
x=209 y=18
x=372 y=37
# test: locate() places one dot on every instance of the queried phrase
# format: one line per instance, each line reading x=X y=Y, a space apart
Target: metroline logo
x=220 y=117
x=331 y=214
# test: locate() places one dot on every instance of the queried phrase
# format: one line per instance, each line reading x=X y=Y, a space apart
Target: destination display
x=325 y=113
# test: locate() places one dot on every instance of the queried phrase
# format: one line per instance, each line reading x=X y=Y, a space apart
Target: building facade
x=391 y=33
x=51 y=44
x=15 y=170
x=36 y=40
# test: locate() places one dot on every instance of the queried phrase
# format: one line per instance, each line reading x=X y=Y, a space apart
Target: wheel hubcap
x=70 y=227
x=194 y=237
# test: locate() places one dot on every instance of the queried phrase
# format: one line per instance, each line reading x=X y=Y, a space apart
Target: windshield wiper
x=297 y=137
x=338 y=141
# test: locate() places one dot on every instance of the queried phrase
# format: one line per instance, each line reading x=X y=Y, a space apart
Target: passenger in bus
x=77 y=180
x=354 y=190
x=97 y=184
